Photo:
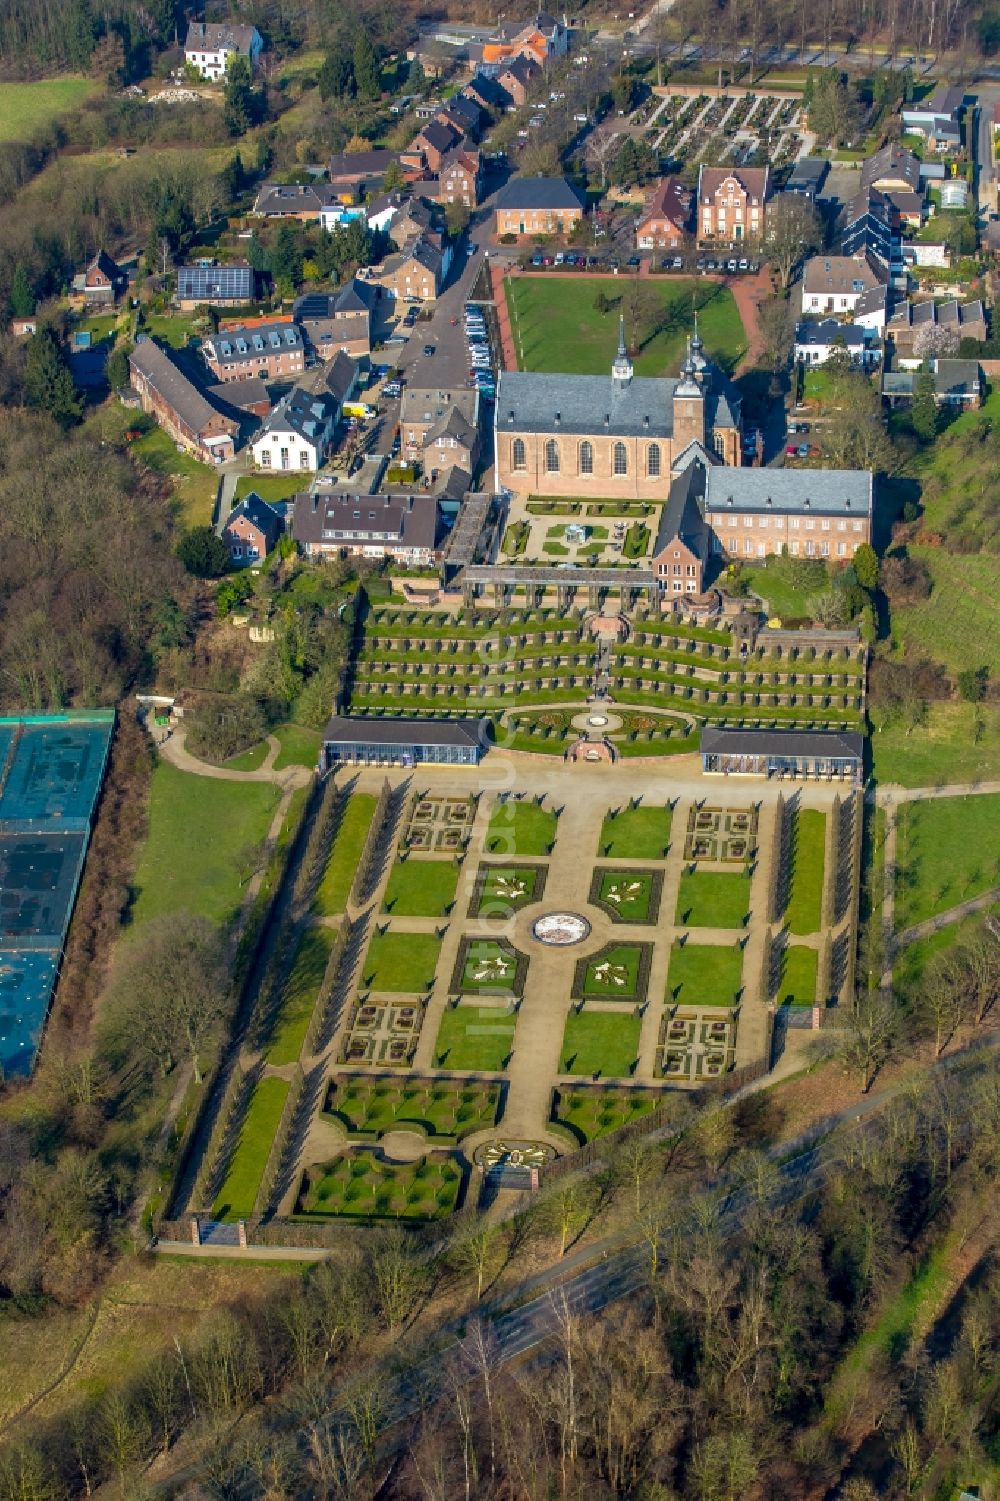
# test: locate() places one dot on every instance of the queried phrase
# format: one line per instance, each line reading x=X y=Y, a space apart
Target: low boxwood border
x=516 y=986
x=634 y=998
x=541 y=874
x=655 y=893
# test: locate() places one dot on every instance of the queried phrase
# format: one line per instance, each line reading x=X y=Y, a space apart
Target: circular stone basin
x=597 y=719
x=560 y=928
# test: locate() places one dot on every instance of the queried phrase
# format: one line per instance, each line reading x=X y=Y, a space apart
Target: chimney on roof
x=558 y=418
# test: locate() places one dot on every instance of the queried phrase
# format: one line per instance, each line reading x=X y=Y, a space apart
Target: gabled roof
x=410 y=521
x=169 y=382
x=756 y=181
x=103 y=262
x=258 y=513
x=945 y=102
x=521 y=69
x=211 y=283
x=277 y=198
x=234 y=345
x=682 y=518
x=839 y=273
x=306 y=413
x=240 y=396
x=809 y=171
x=354 y=297
x=381 y=730
x=537 y=193
x=584 y=405
x=796 y=492
x=493 y=94
x=336 y=378
x=892 y=163
x=671 y=200
x=453 y=424
x=438 y=135
x=839 y=743
x=209 y=36
x=357 y=164
x=830 y=331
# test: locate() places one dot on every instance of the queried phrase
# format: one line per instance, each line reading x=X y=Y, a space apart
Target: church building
x=615 y=436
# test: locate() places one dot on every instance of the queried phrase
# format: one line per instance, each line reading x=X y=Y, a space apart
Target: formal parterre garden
x=421 y=888
x=400 y=962
x=501 y=890
x=705 y=975
x=362 y=1184
x=636 y=833
x=627 y=895
x=521 y=827
x=713 y=899
x=446 y=1111
x=617 y=972
x=589 y=1113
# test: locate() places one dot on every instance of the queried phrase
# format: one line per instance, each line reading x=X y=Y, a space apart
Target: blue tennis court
x=26 y=981
x=55 y=774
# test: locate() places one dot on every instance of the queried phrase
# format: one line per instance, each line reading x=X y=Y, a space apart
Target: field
x=299 y=746
x=299 y=996
x=636 y=834
x=798 y=976
x=26 y=108
x=521 y=828
x=704 y=975
x=236 y=1197
x=600 y=1042
x=195 y=484
x=966 y=637
x=956 y=743
x=557 y=327
x=948 y=851
x=352 y=831
x=475 y=1037
x=402 y=962
x=805 y=898
x=421 y=888
x=199 y=830
x=713 y=899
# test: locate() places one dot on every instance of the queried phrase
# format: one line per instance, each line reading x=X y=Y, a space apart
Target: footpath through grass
x=345 y=852
x=200 y=829
x=238 y=1194
x=948 y=850
x=557 y=327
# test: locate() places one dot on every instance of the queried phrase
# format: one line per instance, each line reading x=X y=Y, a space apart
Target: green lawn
x=195 y=484
x=787 y=584
x=474 y=1037
x=236 y=1197
x=335 y=884
x=704 y=975
x=269 y=486
x=174 y=329
x=613 y=973
x=488 y=966
x=626 y=894
x=798 y=976
x=521 y=828
x=948 y=850
x=590 y=1113
x=372 y=1107
x=400 y=962
x=804 y=912
x=248 y=760
x=636 y=834
x=504 y=889
x=955 y=743
x=910 y=962
x=713 y=899
x=199 y=828
x=299 y=746
x=557 y=328
x=421 y=888
x=600 y=1042
x=359 y=1185
x=299 y=996
x=27 y=107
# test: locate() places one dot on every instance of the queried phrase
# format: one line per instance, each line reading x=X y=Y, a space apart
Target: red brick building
x=732 y=204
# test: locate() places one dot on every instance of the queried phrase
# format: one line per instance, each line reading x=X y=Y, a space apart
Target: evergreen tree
x=22 y=294
x=336 y=76
x=81 y=35
x=866 y=566
x=232 y=176
x=265 y=154
x=924 y=412
x=117 y=367
x=366 y=69
x=48 y=381
x=286 y=255
x=240 y=105
x=203 y=553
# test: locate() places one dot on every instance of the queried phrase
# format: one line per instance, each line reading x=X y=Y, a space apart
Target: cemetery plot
x=636 y=833
x=721 y=834
x=488 y=966
x=604 y=1043
x=477 y=1038
x=619 y=972
x=421 y=888
x=371 y=1107
x=713 y=899
x=695 y=1045
x=363 y=1184
x=502 y=889
x=400 y=961
x=589 y=1113
x=518 y=827
x=627 y=896
x=382 y=1033
x=704 y=975
x=438 y=825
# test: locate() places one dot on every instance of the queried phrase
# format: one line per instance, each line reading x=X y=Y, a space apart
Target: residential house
x=537 y=206
x=893 y=169
x=871 y=228
x=298 y=434
x=489 y=94
x=682 y=546
x=430 y=146
x=966 y=320
x=872 y=310
x=836 y=283
x=460 y=178
x=817 y=341
x=241 y=398
x=807 y=177
x=517 y=77
x=415 y=274
x=209 y=46
x=666 y=218
x=402 y=216
x=271 y=348
x=937 y=119
x=337 y=378
x=541 y=39
x=406 y=528
x=732 y=204
x=179 y=407
x=23 y=328
x=296 y=200
x=815 y=513
x=214 y=286
x=251 y=531
x=463 y=114
x=353 y=174
x=452 y=440
x=340 y=320
x=909 y=209
x=101 y=283
x=426 y=410
x=958 y=384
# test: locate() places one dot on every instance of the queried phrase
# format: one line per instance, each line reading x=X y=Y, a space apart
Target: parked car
x=392 y=389
x=536 y=260
x=791 y=449
x=701 y=263
x=429 y=349
x=803 y=450
x=731 y=267
x=744 y=265
x=633 y=262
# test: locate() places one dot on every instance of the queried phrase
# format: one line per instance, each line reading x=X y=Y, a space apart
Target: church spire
x=621 y=369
